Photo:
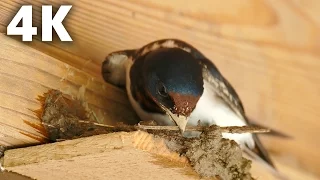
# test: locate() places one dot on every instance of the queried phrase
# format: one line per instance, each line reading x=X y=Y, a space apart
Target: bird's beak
x=181 y=121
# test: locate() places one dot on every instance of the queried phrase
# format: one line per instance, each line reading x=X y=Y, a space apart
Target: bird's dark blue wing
x=225 y=91
x=222 y=87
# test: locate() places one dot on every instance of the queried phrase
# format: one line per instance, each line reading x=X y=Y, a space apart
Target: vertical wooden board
x=26 y=73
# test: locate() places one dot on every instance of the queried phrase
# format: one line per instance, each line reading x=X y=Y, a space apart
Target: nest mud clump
x=213 y=156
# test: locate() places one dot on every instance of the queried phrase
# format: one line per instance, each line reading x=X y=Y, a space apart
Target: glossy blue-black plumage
x=173 y=68
x=176 y=69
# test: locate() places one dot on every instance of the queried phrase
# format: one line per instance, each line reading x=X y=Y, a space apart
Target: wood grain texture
x=136 y=155
x=268 y=49
x=26 y=73
x=91 y=145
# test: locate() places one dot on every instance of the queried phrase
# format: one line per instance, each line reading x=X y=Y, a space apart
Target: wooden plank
x=136 y=155
x=91 y=145
x=26 y=73
x=266 y=48
x=13 y=176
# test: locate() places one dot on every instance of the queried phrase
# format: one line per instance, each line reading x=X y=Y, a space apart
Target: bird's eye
x=162 y=90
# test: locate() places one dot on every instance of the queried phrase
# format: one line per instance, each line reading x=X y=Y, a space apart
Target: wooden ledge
x=134 y=155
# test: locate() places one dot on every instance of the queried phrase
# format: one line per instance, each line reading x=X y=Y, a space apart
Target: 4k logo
x=48 y=23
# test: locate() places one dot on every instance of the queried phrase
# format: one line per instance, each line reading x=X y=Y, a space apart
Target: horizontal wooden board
x=137 y=155
x=134 y=155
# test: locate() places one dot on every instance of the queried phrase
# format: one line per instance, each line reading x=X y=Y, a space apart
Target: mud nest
x=209 y=154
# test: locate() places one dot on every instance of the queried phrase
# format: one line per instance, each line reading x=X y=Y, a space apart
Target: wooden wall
x=266 y=48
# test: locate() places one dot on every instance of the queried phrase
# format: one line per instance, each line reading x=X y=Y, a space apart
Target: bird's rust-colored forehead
x=184 y=104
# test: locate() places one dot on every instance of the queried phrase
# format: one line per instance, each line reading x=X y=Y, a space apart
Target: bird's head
x=173 y=80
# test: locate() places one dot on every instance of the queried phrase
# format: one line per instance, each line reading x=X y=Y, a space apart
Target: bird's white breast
x=209 y=110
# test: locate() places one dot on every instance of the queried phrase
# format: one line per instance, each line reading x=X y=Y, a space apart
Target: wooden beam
x=116 y=156
x=26 y=73
x=134 y=155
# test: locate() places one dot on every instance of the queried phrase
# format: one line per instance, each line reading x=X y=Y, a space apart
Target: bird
x=170 y=82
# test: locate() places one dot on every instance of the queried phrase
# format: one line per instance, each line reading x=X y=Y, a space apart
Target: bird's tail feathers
x=270 y=168
x=273 y=132
x=261 y=151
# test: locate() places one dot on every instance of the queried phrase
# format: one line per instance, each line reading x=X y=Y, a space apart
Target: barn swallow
x=171 y=82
